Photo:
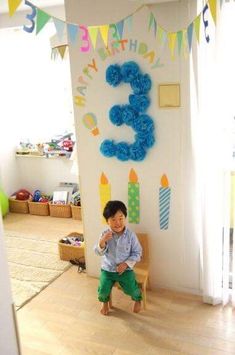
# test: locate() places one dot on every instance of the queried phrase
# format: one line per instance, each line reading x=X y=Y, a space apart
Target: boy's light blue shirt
x=123 y=248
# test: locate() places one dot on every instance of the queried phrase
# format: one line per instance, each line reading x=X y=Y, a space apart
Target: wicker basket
x=18 y=206
x=39 y=208
x=76 y=212
x=61 y=211
x=70 y=252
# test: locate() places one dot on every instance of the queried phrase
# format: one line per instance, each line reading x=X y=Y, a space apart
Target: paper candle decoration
x=133 y=198
x=90 y=122
x=164 y=202
x=105 y=194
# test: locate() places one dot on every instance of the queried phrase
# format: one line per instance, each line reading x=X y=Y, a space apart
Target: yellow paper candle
x=133 y=198
x=105 y=193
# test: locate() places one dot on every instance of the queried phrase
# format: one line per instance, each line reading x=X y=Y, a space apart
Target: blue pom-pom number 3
x=132 y=114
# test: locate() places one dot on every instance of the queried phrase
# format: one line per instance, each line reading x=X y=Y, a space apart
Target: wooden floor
x=64 y=318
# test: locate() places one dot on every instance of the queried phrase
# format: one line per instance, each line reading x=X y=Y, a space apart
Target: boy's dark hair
x=112 y=207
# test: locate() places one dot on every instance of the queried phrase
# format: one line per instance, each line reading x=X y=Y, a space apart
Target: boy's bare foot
x=105 y=309
x=137 y=307
x=110 y=304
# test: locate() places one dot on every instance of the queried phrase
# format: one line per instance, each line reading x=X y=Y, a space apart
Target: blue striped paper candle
x=164 y=202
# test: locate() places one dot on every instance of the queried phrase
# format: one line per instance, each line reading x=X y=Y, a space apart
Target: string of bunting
x=89 y=34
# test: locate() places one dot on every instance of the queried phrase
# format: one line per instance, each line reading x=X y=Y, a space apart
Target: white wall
x=174 y=253
x=36 y=95
x=44 y=174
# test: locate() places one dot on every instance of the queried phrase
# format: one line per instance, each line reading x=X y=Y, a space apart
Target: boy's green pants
x=126 y=280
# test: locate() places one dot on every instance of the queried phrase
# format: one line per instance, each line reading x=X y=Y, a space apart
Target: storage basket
x=39 y=208
x=18 y=206
x=62 y=211
x=70 y=252
x=76 y=212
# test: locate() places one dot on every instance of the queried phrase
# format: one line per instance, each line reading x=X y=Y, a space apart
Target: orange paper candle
x=105 y=193
x=133 y=198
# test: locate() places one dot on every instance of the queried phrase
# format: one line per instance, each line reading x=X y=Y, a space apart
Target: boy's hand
x=107 y=236
x=121 y=268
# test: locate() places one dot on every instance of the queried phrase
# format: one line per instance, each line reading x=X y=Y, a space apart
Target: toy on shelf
x=27 y=148
x=38 y=196
x=22 y=195
x=60 y=146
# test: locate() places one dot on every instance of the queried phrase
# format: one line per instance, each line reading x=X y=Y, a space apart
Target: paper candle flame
x=133 y=176
x=90 y=122
x=103 y=179
x=164 y=181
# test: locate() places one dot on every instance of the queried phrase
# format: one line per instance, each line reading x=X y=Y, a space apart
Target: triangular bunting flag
x=185 y=43
x=164 y=37
x=171 y=42
x=42 y=19
x=190 y=35
x=59 y=26
x=159 y=33
x=119 y=26
x=13 y=5
x=152 y=23
x=128 y=22
x=212 y=4
x=197 y=23
x=72 y=32
x=30 y=28
x=205 y=22
x=179 y=40
x=114 y=32
x=61 y=50
x=93 y=32
x=151 y=17
x=104 y=31
x=54 y=53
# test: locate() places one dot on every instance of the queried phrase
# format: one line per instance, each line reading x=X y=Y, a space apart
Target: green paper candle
x=133 y=198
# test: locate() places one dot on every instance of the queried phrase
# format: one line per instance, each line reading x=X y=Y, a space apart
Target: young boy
x=120 y=249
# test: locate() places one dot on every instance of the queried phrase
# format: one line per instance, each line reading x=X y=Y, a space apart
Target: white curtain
x=213 y=152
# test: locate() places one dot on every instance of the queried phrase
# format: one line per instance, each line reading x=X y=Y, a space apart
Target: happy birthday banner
x=89 y=34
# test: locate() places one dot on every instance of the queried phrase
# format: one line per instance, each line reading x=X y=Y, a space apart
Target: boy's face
x=117 y=222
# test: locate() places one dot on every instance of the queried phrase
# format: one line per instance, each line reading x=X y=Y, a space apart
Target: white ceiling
x=49 y=3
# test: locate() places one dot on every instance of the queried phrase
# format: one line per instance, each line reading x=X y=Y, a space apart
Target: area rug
x=33 y=264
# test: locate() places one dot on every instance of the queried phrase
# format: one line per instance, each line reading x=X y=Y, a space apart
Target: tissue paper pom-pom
x=140 y=103
x=129 y=70
x=143 y=124
x=113 y=75
x=129 y=115
x=146 y=139
x=137 y=152
x=115 y=115
x=122 y=151
x=141 y=84
x=108 y=148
